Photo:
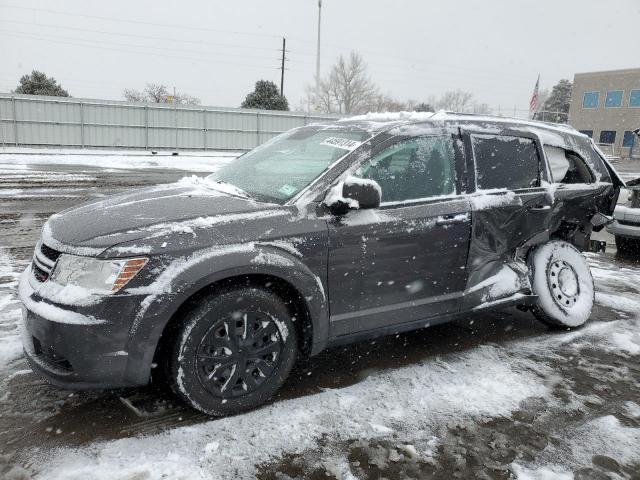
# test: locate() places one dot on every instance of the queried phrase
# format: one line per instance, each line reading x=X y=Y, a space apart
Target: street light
x=318 y=47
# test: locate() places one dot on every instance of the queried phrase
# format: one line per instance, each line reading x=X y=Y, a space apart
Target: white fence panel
x=39 y=121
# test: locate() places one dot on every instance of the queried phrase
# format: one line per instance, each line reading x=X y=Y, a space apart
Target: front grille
x=49 y=355
x=39 y=273
x=49 y=252
x=44 y=259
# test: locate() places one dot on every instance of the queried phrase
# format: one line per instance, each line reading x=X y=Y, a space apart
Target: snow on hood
x=174 y=208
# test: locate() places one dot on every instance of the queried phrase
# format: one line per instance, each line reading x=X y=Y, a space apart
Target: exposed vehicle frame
x=336 y=271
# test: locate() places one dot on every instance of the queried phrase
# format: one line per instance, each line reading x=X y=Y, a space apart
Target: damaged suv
x=325 y=235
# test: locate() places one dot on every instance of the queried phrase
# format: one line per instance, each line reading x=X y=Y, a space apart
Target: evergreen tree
x=423 y=107
x=556 y=107
x=265 y=96
x=37 y=83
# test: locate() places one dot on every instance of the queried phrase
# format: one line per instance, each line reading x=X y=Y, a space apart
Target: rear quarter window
x=567 y=166
x=503 y=161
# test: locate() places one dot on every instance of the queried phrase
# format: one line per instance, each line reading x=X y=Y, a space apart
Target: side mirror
x=354 y=194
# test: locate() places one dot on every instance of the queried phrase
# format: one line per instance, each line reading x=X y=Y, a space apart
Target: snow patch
x=390 y=116
x=48 y=311
x=487 y=382
x=487 y=199
x=270 y=258
x=542 y=473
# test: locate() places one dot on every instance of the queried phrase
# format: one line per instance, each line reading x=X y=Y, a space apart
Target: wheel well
x=575 y=233
x=288 y=293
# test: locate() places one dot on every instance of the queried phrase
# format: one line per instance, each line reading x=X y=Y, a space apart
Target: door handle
x=451 y=219
x=540 y=208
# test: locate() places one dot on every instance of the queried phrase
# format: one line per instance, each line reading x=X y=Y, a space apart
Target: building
x=606 y=106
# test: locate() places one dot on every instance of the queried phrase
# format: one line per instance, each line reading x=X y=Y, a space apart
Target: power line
x=100 y=42
x=132 y=35
x=93 y=46
x=140 y=22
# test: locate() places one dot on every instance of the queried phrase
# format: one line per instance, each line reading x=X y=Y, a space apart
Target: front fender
x=184 y=277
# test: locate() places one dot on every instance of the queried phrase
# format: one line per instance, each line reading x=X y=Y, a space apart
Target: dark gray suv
x=325 y=235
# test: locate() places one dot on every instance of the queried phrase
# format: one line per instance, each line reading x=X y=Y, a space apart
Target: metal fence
x=39 y=121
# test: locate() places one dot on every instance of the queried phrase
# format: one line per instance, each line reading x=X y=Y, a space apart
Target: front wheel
x=234 y=352
x=561 y=278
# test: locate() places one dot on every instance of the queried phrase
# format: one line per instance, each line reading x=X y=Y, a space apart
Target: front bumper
x=622 y=230
x=80 y=347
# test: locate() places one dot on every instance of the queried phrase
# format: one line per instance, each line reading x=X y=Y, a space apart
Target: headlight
x=99 y=276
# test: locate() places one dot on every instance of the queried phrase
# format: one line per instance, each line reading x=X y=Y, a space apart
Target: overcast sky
x=216 y=50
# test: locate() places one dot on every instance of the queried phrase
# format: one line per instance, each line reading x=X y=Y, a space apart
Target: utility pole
x=284 y=43
x=318 y=48
x=175 y=116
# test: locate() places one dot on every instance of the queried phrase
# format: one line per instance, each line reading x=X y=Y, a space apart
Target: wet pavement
x=588 y=382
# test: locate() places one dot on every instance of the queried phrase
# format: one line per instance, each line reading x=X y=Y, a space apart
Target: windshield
x=279 y=169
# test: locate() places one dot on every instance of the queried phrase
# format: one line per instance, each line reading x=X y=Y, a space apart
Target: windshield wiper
x=225 y=187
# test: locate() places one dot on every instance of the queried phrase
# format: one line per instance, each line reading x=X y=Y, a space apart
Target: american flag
x=533 y=104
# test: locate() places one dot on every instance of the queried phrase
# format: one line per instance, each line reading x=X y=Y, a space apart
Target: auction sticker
x=344 y=143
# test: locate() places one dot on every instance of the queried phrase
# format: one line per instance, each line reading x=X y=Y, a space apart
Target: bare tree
x=133 y=95
x=186 y=99
x=348 y=89
x=481 y=108
x=158 y=93
x=455 y=101
x=386 y=103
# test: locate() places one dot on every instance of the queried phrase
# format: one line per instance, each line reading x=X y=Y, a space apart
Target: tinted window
x=588 y=133
x=634 y=98
x=614 y=98
x=629 y=139
x=608 y=136
x=417 y=168
x=505 y=162
x=590 y=99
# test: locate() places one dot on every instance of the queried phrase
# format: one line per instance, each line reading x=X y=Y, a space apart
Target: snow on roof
x=442 y=116
x=390 y=117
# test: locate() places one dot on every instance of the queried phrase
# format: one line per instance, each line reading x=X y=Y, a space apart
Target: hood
x=97 y=225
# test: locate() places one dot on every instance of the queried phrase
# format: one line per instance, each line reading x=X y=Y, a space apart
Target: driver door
x=406 y=260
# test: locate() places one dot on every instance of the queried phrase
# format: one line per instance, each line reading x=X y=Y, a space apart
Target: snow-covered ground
x=401 y=414
x=496 y=395
x=22 y=159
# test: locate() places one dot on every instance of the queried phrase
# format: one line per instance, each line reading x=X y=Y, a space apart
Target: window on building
x=608 y=136
x=505 y=162
x=588 y=133
x=614 y=99
x=634 y=98
x=591 y=100
x=629 y=139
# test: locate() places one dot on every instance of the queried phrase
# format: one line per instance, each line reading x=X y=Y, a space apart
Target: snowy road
x=494 y=396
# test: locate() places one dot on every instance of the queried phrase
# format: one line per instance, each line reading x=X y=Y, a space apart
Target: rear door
x=509 y=203
x=406 y=260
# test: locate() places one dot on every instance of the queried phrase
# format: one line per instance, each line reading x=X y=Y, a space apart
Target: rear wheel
x=234 y=351
x=561 y=278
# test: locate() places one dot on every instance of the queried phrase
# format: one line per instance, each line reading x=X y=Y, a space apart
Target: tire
x=561 y=278
x=626 y=245
x=234 y=351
